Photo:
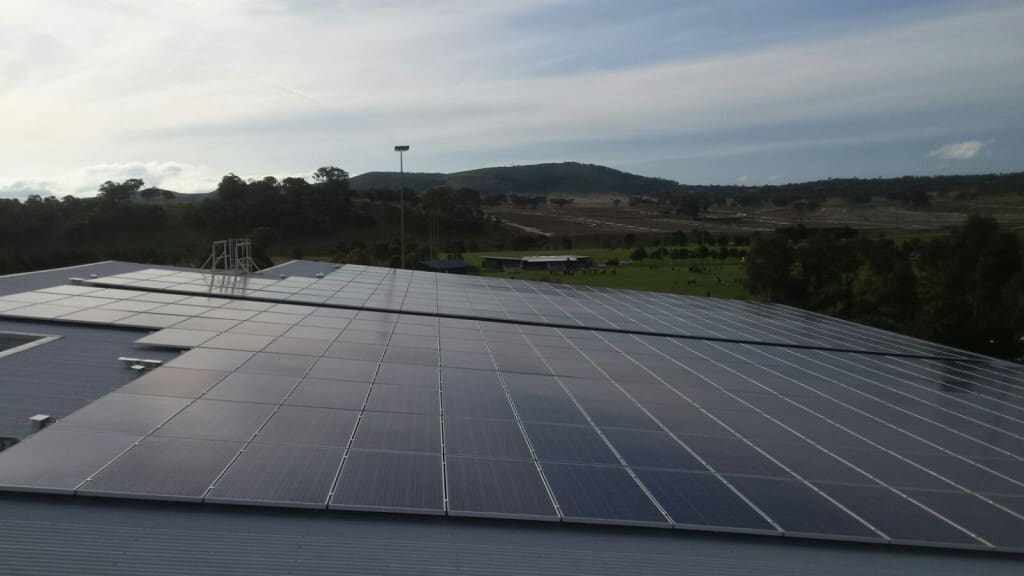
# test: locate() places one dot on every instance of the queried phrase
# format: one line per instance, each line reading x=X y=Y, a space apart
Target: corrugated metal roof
x=56 y=535
x=60 y=377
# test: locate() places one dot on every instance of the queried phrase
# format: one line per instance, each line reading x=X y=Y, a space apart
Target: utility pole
x=401 y=196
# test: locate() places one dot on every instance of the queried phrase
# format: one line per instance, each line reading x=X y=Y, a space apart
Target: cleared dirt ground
x=600 y=217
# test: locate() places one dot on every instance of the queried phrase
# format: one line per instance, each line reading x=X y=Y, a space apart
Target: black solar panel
x=286 y=404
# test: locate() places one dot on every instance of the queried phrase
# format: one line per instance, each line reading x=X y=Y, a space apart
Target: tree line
x=127 y=221
x=965 y=289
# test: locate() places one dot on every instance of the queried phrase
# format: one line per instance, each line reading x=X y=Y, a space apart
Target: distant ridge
x=552 y=179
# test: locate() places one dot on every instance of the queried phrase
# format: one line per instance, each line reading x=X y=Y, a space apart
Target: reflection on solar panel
x=297 y=405
x=565 y=305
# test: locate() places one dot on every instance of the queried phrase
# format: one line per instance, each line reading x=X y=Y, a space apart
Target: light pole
x=401 y=195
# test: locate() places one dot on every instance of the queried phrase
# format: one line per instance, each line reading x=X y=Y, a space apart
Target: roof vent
x=139 y=364
x=282 y=276
x=319 y=274
x=40 y=421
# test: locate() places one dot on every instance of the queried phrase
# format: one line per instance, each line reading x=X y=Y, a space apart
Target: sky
x=182 y=92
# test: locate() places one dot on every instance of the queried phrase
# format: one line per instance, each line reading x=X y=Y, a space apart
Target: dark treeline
x=291 y=216
x=915 y=192
x=965 y=289
x=909 y=190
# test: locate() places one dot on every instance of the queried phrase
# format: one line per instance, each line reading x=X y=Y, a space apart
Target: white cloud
x=271 y=86
x=960 y=150
x=86 y=181
x=743 y=179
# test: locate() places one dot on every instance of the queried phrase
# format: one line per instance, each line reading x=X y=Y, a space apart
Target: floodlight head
x=401 y=148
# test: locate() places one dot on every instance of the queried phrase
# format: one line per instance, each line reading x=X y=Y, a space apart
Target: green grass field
x=726 y=278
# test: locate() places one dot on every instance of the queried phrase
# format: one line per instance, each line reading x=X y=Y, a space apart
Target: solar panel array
x=521 y=301
x=342 y=408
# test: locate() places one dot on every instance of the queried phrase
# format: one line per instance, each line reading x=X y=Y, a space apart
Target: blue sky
x=181 y=92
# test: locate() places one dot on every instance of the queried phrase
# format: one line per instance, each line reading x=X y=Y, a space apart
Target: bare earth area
x=600 y=217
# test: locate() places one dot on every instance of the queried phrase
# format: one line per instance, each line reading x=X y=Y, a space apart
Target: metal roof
x=52 y=534
x=60 y=377
x=57 y=535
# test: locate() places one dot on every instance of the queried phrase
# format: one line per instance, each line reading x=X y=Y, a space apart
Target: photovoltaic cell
x=484 y=437
x=651 y=448
x=391 y=481
x=319 y=393
x=217 y=420
x=485 y=487
x=699 y=499
x=124 y=413
x=411 y=399
x=582 y=493
x=60 y=460
x=731 y=455
x=476 y=400
x=313 y=426
x=568 y=443
x=995 y=525
x=393 y=431
x=896 y=516
x=268 y=364
x=178 y=382
x=170 y=468
x=344 y=369
x=280 y=474
x=798 y=509
x=243 y=387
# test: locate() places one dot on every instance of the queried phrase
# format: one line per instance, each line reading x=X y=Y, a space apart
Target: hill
x=162 y=196
x=554 y=179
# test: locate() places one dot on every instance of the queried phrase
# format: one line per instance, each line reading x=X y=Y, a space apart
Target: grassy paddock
x=725 y=278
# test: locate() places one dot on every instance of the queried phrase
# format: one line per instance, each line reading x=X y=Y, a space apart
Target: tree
x=884 y=288
x=769 y=266
x=330 y=174
x=966 y=281
x=638 y=254
x=114 y=193
x=149 y=194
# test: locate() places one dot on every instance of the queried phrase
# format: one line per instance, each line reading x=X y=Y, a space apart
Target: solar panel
x=582 y=494
x=217 y=420
x=497 y=488
x=180 y=382
x=392 y=431
x=60 y=460
x=390 y=481
x=307 y=425
x=280 y=475
x=283 y=404
x=124 y=413
x=799 y=509
x=484 y=437
x=319 y=393
x=246 y=387
x=164 y=468
x=553 y=304
x=695 y=499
